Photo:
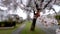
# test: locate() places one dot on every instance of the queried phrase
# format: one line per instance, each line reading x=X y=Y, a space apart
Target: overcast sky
x=56 y=7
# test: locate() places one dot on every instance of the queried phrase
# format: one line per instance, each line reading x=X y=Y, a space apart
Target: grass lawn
x=9 y=31
x=26 y=30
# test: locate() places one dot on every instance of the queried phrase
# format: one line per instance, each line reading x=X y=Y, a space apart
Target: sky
x=56 y=7
x=21 y=13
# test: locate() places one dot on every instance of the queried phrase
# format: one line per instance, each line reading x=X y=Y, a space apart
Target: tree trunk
x=34 y=20
x=33 y=23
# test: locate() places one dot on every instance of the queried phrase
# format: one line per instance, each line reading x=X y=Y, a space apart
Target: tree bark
x=33 y=23
x=34 y=20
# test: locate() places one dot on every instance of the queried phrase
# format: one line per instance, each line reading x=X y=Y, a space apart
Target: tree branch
x=42 y=1
x=47 y=4
x=54 y=1
x=21 y=2
x=54 y=11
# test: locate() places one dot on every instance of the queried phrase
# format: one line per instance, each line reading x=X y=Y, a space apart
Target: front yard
x=9 y=31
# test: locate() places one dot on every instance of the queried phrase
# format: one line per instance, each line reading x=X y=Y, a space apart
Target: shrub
x=57 y=17
x=7 y=24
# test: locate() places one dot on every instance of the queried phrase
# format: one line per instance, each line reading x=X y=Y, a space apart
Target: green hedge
x=7 y=24
x=57 y=17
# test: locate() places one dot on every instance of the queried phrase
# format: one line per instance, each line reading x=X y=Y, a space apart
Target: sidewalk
x=19 y=29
